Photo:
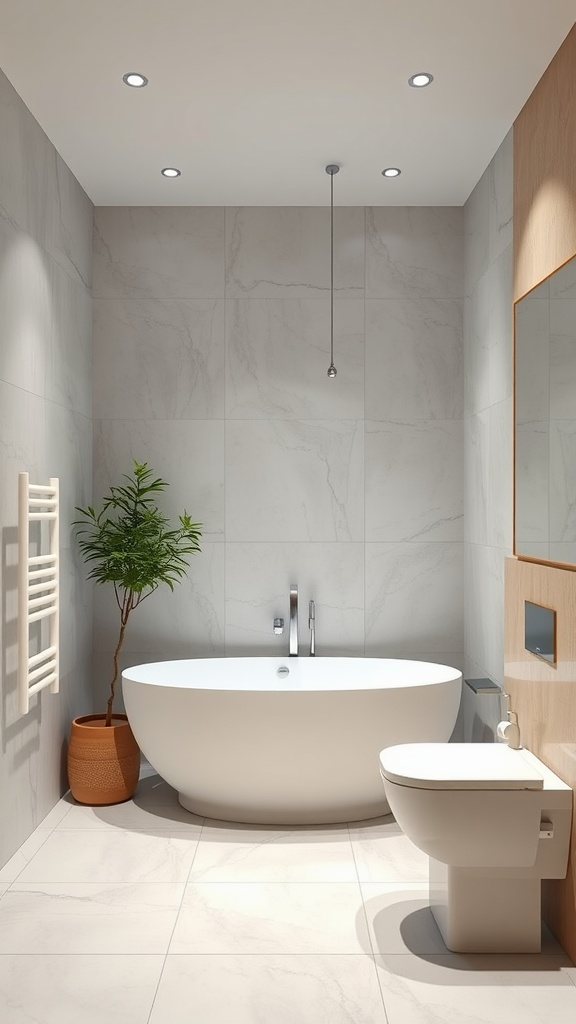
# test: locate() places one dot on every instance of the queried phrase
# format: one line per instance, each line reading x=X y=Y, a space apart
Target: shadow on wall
x=14 y=724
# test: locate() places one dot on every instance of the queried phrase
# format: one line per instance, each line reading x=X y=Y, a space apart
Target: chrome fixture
x=391 y=172
x=135 y=79
x=332 y=169
x=171 y=172
x=293 y=650
x=278 y=626
x=420 y=80
x=312 y=627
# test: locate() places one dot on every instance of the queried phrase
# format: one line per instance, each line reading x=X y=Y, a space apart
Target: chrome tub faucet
x=293 y=650
x=312 y=627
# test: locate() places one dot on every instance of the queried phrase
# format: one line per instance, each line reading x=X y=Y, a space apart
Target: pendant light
x=332 y=169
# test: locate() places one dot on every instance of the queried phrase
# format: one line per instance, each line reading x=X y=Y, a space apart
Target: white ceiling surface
x=252 y=98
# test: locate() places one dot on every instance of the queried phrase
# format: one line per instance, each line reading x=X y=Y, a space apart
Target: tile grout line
x=373 y=954
x=161 y=975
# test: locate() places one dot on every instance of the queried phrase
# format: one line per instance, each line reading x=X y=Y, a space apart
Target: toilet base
x=482 y=911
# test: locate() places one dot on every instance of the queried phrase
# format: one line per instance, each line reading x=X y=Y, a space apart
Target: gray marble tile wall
x=45 y=428
x=211 y=345
x=488 y=432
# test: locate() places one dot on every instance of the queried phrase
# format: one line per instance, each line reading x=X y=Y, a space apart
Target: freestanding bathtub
x=285 y=740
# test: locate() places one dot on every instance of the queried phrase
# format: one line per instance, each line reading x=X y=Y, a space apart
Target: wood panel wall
x=545 y=173
x=544 y=238
x=544 y=697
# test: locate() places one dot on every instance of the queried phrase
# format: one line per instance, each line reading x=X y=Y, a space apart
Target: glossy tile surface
x=118 y=919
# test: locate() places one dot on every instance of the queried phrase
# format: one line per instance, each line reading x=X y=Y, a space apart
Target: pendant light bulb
x=332 y=169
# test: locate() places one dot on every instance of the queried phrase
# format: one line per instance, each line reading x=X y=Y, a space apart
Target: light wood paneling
x=545 y=173
x=544 y=697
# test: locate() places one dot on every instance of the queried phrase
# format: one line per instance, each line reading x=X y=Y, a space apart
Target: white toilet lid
x=459 y=766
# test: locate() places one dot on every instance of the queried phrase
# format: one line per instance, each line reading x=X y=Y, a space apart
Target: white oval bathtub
x=240 y=741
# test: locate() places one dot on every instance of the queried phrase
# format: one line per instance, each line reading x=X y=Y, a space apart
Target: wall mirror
x=545 y=420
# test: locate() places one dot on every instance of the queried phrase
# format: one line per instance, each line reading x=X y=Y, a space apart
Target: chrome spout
x=293 y=620
x=312 y=627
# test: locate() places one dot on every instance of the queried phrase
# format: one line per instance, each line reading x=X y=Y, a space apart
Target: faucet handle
x=278 y=626
x=311 y=613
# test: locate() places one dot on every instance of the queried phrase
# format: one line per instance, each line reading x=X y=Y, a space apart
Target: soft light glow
x=420 y=80
x=171 y=172
x=391 y=172
x=135 y=79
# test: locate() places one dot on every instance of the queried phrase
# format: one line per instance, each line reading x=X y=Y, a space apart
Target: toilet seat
x=469 y=766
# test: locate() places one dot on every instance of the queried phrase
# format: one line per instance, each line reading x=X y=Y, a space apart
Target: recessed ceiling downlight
x=391 y=172
x=421 y=79
x=135 y=79
x=171 y=172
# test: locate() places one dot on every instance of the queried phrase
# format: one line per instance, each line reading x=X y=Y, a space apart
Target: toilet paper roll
x=501 y=730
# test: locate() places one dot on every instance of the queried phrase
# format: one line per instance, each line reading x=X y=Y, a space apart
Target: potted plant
x=129 y=543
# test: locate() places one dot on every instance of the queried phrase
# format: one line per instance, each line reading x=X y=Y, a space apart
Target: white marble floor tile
x=529 y=989
x=77 y=989
x=385 y=854
x=400 y=919
x=131 y=815
x=112 y=856
x=58 y=812
x=269 y=855
x=4 y=886
x=89 y=918
x=278 y=989
x=251 y=917
x=22 y=857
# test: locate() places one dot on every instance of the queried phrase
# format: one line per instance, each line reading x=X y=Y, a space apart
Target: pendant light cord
x=331 y=270
x=332 y=169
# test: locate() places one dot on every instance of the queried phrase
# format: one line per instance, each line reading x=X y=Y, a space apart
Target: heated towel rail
x=38 y=588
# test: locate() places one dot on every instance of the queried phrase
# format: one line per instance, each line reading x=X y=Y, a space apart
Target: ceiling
x=252 y=98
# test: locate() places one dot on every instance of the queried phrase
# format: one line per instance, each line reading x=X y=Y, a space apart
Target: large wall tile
x=294 y=480
x=278 y=352
x=413 y=598
x=414 y=252
x=69 y=356
x=189 y=454
x=25 y=309
x=258 y=580
x=476 y=470
x=414 y=480
x=187 y=622
x=477 y=233
x=72 y=246
x=159 y=252
x=158 y=358
x=500 y=194
x=414 y=358
x=274 y=252
x=28 y=183
x=488 y=346
x=484 y=610
x=500 y=447
x=45 y=333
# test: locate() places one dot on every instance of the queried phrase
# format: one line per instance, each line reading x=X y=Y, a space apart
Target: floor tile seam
x=171 y=936
x=364 y=911
x=24 y=866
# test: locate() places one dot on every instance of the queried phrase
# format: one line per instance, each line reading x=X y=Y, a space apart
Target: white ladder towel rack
x=38 y=588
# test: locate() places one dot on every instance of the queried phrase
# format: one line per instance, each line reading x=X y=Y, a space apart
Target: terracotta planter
x=103 y=763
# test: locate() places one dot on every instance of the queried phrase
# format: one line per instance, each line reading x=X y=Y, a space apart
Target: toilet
x=494 y=821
